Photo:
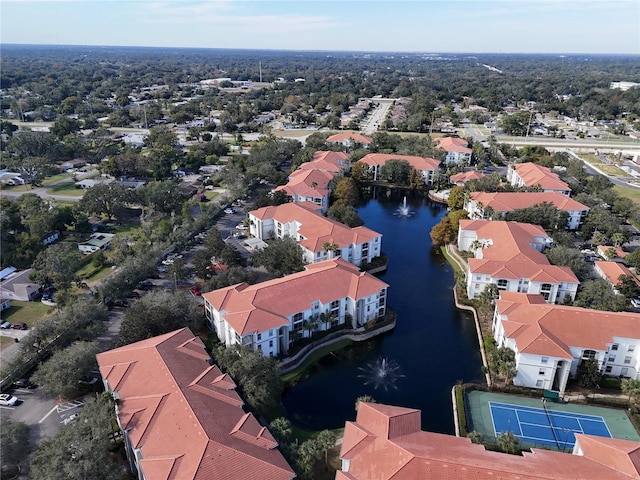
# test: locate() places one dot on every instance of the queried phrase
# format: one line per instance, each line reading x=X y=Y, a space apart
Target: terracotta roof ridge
x=260 y=440
x=152 y=418
x=253 y=457
x=230 y=396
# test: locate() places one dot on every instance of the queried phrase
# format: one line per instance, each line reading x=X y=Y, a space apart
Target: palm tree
x=326 y=317
x=508 y=442
x=364 y=398
x=327 y=440
x=475 y=437
x=630 y=387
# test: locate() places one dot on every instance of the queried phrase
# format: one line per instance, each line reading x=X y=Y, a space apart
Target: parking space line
x=69 y=405
x=50 y=412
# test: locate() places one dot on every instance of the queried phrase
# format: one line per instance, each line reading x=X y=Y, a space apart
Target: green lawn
x=68 y=189
x=26 y=312
x=56 y=178
x=630 y=193
x=211 y=194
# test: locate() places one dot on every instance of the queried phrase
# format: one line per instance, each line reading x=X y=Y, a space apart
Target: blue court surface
x=548 y=427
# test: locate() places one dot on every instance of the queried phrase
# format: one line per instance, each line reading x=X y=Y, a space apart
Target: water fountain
x=403 y=210
x=381 y=373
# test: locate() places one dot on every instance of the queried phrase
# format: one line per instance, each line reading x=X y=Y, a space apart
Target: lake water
x=432 y=347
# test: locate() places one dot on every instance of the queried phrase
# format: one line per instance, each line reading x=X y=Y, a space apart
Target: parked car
x=635 y=303
x=5 y=325
x=229 y=210
x=20 y=326
x=240 y=236
x=241 y=226
x=88 y=380
x=108 y=302
x=8 y=400
x=196 y=290
x=121 y=304
x=24 y=383
x=133 y=295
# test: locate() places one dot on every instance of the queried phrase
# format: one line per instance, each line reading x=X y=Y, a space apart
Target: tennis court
x=545 y=425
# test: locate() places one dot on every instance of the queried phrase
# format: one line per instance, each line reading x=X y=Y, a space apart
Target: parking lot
x=45 y=414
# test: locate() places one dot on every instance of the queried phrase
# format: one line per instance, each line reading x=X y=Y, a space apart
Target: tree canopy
x=280 y=257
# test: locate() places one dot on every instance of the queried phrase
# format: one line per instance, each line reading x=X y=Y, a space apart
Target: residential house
x=11 y=178
x=309 y=186
x=458 y=151
x=386 y=442
x=181 y=416
x=609 y=252
x=350 y=139
x=551 y=341
x=481 y=203
x=75 y=163
x=97 y=241
x=426 y=166
x=268 y=316
x=319 y=237
x=508 y=254
x=51 y=237
x=533 y=175
x=460 y=179
x=5 y=303
x=16 y=285
x=611 y=272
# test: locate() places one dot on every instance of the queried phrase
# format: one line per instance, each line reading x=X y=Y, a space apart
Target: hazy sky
x=503 y=26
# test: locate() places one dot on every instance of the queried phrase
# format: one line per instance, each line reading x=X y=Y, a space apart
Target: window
x=541 y=371
x=502 y=284
x=588 y=354
x=612 y=358
x=259 y=336
x=539 y=383
x=614 y=347
x=624 y=372
x=608 y=369
x=270 y=343
x=627 y=360
x=544 y=359
x=271 y=333
x=259 y=348
x=631 y=348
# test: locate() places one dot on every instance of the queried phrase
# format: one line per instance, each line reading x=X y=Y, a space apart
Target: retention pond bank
x=433 y=346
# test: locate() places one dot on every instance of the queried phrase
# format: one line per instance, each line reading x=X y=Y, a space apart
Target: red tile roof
x=315 y=228
x=301 y=182
x=508 y=253
x=464 y=177
x=353 y=137
x=184 y=414
x=419 y=163
x=533 y=174
x=508 y=201
x=266 y=305
x=613 y=270
x=602 y=251
x=453 y=144
x=386 y=443
x=326 y=161
x=544 y=329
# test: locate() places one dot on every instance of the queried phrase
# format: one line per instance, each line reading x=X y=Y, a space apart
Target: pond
x=433 y=346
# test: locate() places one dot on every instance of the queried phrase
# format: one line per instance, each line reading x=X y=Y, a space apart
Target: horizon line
x=385 y=52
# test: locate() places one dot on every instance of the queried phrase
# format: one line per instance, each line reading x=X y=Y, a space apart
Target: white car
x=8 y=400
x=241 y=226
x=635 y=303
x=229 y=210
